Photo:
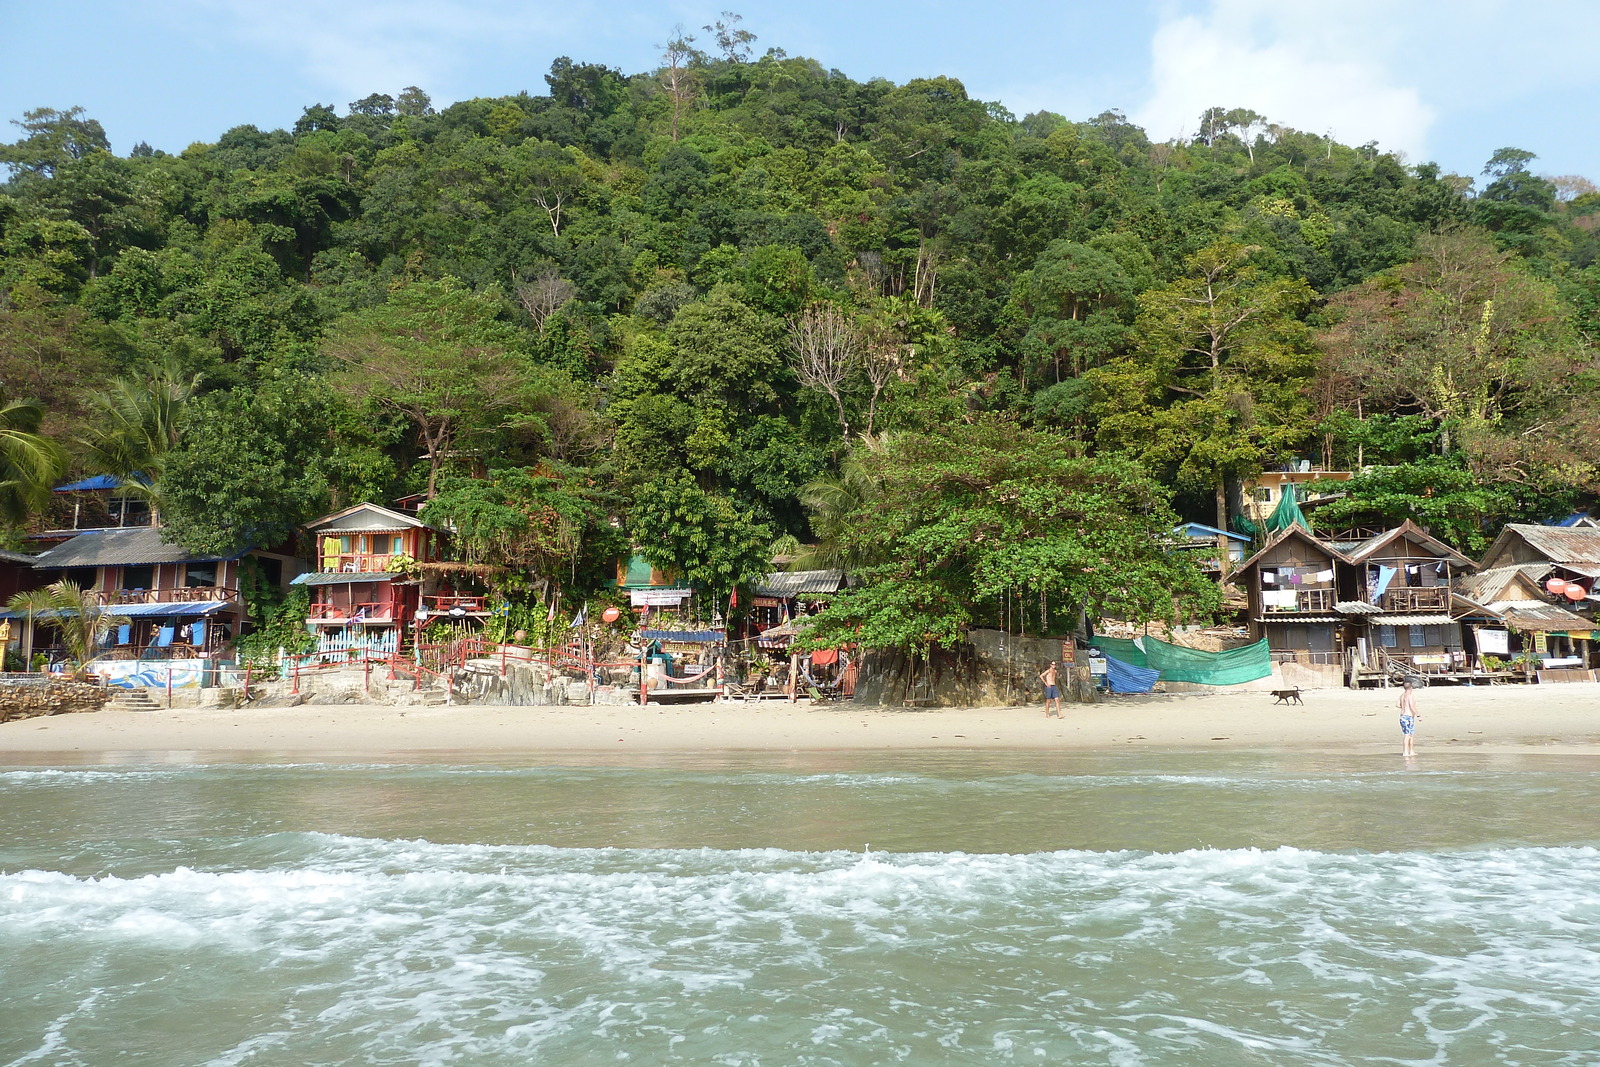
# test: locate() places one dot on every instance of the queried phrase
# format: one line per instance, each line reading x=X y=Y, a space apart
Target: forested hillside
x=736 y=298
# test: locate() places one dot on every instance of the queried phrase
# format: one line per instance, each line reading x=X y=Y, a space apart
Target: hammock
x=691 y=678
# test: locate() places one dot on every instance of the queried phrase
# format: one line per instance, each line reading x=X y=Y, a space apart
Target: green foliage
x=79 y=618
x=279 y=624
x=246 y=471
x=604 y=279
x=954 y=525
x=703 y=536
x=539 y=523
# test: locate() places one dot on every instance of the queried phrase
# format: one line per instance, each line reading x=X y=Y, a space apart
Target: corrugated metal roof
x=342 y=577
x=1409 y=531
x=1483 y=586
x=137 y=611
x=1301 y=618
x=1545 y=617
x=111 y=548
x=1357 y=607
x=1562 y=545
x=199 y=607
x=1410 y=620
x=17 y=557
x=800 y=583
x=365 y=518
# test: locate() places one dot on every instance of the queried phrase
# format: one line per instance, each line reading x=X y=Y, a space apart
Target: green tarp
x=1179 y=664
x=1287 y=513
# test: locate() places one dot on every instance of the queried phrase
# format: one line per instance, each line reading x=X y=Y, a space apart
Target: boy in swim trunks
x=1408 y=719
x=1052 y=692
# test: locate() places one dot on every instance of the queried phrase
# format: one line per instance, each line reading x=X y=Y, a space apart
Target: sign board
x=1494 y=642
x=1069 y=652
x=1098 y=666
x=658 y=598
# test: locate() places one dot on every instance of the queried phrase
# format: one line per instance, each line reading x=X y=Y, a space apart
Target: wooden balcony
x=346 y=614
x=1304 y=600
x=357 y=563
x=1399 y=601
x=194 y=594
x=469 y=603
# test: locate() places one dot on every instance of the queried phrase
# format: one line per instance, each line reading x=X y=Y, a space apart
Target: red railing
x=463 y=601
x=363 y=612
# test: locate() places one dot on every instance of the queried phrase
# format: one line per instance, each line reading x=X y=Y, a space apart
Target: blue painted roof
x=99 y=481
x=102 y=481
x=1200 y=529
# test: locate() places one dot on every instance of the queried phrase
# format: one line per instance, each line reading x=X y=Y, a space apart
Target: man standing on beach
x=1052 y=692
x=1408 y=719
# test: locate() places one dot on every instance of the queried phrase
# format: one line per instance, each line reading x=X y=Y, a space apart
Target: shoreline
x=1557 y=719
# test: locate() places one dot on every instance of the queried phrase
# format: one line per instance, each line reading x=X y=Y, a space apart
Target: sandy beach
x=1557 y=718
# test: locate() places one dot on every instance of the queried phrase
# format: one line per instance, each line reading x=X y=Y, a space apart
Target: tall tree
x=438 y=356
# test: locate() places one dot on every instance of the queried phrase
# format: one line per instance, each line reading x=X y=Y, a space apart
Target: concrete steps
x=132 y=700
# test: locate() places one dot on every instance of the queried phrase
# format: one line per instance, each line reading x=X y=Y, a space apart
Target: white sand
x=1564 y=718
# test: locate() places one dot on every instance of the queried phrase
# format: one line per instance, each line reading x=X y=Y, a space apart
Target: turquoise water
x=1146 y=908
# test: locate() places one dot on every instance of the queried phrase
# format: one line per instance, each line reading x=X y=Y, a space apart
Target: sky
x=1448 y=81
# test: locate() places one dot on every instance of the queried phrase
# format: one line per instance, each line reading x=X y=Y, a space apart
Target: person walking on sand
x=1408 y=719
x=1052 y=692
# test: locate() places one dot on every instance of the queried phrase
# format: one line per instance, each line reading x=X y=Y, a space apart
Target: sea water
x=1145 y=908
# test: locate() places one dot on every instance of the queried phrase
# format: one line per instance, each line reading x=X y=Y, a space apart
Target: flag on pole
x=580 y=618
x=733 y=599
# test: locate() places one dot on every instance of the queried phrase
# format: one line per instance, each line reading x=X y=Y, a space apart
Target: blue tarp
x=1126 y=678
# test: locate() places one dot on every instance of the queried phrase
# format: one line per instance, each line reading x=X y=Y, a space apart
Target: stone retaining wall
x=27 y=696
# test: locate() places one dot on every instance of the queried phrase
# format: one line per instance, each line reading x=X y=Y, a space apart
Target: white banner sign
x=658 y=598
x=1494 y=643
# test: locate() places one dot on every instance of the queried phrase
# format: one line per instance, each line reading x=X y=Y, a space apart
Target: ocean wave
x=481 y=953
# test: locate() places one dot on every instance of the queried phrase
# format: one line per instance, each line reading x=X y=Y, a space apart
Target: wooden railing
x=193 y=594
x=1434 y=598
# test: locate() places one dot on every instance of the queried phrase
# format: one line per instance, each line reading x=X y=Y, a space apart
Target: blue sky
x=1446 y=81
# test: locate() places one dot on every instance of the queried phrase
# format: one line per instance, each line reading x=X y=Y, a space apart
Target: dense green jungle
x=743 y=305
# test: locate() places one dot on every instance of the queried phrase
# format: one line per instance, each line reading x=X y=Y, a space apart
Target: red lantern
x=611 y=614
x=1575 y=592
x=1556 y=586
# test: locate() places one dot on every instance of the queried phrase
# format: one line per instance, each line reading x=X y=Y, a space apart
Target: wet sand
x=1555 y=718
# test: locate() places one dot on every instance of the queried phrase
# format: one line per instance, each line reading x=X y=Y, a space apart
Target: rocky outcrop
x=25 y=696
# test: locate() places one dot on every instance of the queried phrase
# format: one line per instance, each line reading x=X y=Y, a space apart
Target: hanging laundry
x=1325 y=576
x=1385 y=576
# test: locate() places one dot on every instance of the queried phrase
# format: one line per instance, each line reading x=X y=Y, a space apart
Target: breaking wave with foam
x=332 y=948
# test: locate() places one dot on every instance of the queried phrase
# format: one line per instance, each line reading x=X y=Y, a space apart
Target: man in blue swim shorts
x=1052 y=691
x=1408 y=720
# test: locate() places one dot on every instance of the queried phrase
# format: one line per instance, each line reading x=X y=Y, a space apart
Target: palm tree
x=137 y=423
x=834 y=501
x=83 y=623
x=29 y=462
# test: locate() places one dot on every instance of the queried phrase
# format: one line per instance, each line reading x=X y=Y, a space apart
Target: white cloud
x=364 y=46
x=1313 y=66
